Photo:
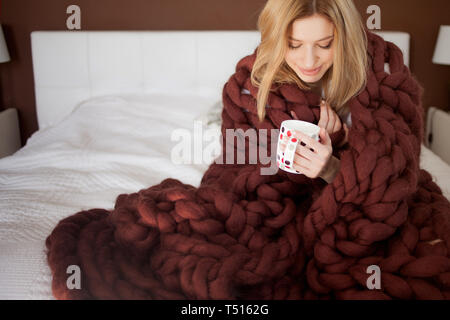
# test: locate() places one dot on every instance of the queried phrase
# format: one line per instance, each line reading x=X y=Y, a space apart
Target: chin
x=312 y=79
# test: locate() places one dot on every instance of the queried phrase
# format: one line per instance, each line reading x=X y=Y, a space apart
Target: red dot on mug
x=281 y=136
x=289 y=133
x=282 y=160
x=288 y=167
x=294 y=140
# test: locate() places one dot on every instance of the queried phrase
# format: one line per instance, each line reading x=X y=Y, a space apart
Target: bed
x=111 y=108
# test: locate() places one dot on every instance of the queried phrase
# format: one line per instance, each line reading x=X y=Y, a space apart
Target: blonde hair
x=347 y=76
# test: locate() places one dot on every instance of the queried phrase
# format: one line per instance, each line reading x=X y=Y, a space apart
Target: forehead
x=312 y=28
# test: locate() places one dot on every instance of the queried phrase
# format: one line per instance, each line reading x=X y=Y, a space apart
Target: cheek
x=328 y=58
x=290 y=60
x=289 y=56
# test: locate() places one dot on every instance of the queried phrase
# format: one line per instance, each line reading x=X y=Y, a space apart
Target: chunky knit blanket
x=246 y=235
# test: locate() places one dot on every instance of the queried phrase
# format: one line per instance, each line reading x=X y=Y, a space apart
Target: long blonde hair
x=348 y=75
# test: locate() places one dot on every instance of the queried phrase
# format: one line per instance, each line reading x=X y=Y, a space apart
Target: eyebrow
x=316 y=41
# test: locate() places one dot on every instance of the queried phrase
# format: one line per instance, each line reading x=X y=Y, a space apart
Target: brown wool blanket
x=245 y=235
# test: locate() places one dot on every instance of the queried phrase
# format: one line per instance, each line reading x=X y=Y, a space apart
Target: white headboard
x=70 y=67
x=400 y=39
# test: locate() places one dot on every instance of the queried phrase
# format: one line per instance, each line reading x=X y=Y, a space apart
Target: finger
x=300 y=166
x=323 y=120
x=306 y=152
x=331 y=113
x=307 y=139
x=324 y=114
x=307 y=146
x=333 y=120
x=337 y=124
x=299 y=160
x=325 y=139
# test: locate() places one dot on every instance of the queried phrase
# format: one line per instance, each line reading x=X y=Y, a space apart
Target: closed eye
x=326 y=47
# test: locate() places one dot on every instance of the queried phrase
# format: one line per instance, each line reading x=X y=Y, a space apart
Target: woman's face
x=311 y=47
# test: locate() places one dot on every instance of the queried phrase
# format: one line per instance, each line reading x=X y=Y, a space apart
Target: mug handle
x=289 y=153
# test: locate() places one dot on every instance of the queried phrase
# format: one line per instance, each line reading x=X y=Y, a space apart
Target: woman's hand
x=312 y=158
x=329 y=120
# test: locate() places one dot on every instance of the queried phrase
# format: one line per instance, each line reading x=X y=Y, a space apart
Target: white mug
x=285 y=159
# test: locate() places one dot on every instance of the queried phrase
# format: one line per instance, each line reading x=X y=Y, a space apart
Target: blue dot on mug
x=287 y=162
x=282 y=129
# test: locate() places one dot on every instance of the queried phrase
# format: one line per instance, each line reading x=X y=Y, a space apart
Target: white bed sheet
x=106 y=146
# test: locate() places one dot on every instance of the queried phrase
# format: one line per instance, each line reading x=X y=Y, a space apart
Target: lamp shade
x=442 y=51
x=4 y=54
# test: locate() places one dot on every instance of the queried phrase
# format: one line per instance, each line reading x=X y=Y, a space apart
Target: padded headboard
x=70 y=67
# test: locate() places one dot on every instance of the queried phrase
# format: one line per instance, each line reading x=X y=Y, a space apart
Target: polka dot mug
x=285 y=159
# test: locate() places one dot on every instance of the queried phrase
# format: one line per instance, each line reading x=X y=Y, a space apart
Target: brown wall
x=19 y=17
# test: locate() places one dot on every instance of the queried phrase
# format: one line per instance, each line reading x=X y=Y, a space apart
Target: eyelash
x=327 y=47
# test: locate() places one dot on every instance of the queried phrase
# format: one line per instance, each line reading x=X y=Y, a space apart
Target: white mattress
x=106 y=146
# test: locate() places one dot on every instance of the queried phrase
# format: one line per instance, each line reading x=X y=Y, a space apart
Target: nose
x=309 y=58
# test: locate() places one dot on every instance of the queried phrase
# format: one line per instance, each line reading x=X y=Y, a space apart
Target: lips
x=310 y=72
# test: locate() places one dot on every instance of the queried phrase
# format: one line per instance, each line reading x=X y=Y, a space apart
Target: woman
x=307 y=47
x=245 y=235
